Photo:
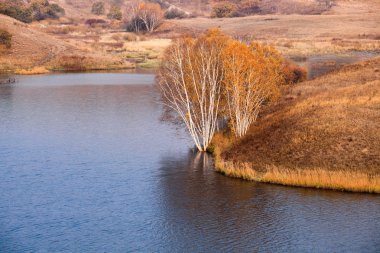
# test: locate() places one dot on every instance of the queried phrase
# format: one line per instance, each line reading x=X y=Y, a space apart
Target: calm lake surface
x=87 y=165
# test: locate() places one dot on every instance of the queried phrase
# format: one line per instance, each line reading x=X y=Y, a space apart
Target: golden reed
x=318 y=178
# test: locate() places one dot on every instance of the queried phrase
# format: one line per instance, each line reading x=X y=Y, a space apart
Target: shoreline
x=319 y=177
x=30 y=72
x=316 y=68
x=308 y=178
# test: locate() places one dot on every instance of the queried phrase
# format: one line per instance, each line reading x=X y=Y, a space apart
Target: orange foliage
x=293 y=73
x=150 y=14
x=214 y=75
x=252 y=76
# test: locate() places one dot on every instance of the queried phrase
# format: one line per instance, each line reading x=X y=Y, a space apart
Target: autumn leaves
x=214 y=78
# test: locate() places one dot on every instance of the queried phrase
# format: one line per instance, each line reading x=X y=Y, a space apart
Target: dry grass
x=32 y=71
x=40 y=47
x=148 y=53
x=78 y=63
x=30 y=48
x=59 y=30
x=350 y=25
x=310 y=7
x=343 y=180
x=322 y=133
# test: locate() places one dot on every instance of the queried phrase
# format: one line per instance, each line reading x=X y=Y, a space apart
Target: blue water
x=88 y=165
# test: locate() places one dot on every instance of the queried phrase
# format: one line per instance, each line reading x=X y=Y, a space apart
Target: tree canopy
x=215 y=77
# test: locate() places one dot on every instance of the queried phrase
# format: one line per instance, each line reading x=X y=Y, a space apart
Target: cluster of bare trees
x=204 y=79
x=144 y=16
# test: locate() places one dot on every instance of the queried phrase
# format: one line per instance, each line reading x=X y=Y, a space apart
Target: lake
x=88 y=165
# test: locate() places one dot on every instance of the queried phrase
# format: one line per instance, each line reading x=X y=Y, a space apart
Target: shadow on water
x=204 y=210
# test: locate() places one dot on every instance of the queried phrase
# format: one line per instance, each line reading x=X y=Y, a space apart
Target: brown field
x=322 y=133
x=349 y=25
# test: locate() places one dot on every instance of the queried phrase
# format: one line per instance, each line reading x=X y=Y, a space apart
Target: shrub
x=130 y=37
x=57 y=9
x=95 y=22
x=72 y=63
x=175 y=13
x=135 y=24
x=224 y=10
x=16 y=10
x=60 y=29
x=42 y=9
x=115 y=13
x=293 y=73
x=98 y=8
x=5 y=38
x=36 y=10
x=145 y=17
x=248 y=7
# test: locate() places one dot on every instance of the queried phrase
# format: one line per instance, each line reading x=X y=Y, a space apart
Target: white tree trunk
x=192 y=87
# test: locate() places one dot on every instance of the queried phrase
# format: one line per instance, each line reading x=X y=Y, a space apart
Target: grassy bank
x=323 y=133
x=342 y=180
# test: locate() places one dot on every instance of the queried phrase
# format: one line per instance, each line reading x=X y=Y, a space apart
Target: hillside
x=349 y=26
x=35 y=50
x=29 y=47
x=82 y=8
x=322 y=133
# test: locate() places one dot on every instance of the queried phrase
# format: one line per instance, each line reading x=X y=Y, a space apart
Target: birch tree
x=214 y=76
x=151 y=15
x=133 y=9
x=190 y=80
x=252 y=75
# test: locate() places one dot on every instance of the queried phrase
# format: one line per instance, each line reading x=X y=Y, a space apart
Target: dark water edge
x=87 y=165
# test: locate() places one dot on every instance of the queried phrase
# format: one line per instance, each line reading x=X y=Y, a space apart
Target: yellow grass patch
x=32 y=71
x=356 y=181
